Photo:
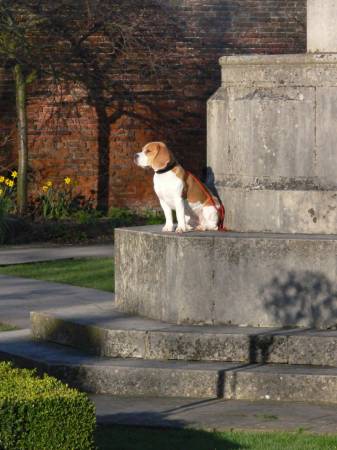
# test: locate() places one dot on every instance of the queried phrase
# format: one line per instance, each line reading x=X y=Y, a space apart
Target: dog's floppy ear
x=162 y=156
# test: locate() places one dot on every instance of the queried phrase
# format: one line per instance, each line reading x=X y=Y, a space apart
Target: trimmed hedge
x=42 y=413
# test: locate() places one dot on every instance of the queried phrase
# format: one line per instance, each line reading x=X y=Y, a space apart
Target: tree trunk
x=20 y=89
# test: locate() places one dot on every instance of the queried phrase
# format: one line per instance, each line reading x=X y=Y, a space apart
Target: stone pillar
x=322 y=26
x=272 y=141
x=272 y=154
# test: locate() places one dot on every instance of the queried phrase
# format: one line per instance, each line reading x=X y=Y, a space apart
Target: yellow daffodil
x=2 y=179
x=1 y=192
x=49 y=183
x=14 y=174
x=67 y=180
x=10 y=183
x=7 y=180
x=45 y=188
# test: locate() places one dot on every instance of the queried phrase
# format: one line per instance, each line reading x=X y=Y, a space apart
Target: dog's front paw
x=168 y=228
x=200 y=228
x=181 y=229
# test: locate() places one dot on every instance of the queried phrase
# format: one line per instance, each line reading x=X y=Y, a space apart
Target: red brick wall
x=68 y=141
x=7 y=115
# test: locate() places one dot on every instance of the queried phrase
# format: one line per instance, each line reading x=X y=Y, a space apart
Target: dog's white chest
x=168 y=187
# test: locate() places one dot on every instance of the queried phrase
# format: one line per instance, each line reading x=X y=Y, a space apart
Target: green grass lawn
x=6 y=327
x=93 y=273
x=132 y=438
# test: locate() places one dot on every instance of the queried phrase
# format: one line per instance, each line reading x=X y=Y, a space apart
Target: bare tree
x=19 y=50
x=104 y=46
x=132 y=40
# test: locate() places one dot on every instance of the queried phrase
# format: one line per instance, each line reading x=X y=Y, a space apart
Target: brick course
x=68 y=141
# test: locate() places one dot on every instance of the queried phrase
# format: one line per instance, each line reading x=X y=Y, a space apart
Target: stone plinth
x=272 y=142
x=321 y=26
x=227 y=278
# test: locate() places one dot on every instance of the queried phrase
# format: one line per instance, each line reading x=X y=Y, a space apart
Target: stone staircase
x=101 y=350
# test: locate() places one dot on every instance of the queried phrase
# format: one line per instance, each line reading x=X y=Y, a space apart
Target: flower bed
x=60 y=214
x=7 y=202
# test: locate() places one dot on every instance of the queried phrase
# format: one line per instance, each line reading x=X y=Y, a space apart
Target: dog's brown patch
x=158 y=155
x=193 y=191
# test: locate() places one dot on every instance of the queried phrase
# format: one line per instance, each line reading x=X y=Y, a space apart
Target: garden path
x=20 y=296
x=20 y=254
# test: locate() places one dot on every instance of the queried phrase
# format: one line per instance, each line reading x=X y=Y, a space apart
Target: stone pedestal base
x=272 y=143
x=274 y=280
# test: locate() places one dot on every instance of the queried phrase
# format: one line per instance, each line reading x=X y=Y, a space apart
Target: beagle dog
x=196 y=208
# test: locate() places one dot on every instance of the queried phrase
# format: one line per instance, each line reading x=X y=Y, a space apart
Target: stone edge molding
x=283 y=70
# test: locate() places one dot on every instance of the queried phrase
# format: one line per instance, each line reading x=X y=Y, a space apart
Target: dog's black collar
x=169 y=167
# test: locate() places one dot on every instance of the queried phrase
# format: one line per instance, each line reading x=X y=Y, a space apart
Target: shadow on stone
x=302 y=297
x=209 y=179
x=152 y=417
x=260 y=347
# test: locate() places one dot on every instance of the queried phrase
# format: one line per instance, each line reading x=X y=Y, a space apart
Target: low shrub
x=42 y=413
x=7 y=202
x=127 y=217
x=86 y=216
x=122 y=216
x=86 y=225
x=154 y=217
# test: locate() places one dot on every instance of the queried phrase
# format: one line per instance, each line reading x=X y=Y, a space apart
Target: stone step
x=135 y=377
x=115 y=376
x=102 y=330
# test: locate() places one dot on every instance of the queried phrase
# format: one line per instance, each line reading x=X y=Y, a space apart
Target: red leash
x=220 y=209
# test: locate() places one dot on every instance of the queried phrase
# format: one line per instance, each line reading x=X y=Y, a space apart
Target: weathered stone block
x=282 y=383
x=321 y=25
x=314 y=350
x=167 y=264
x=271 y=143
x=274 y=280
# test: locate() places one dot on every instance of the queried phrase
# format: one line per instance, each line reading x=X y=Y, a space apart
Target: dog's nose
x=135 y=157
